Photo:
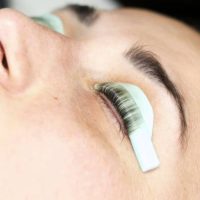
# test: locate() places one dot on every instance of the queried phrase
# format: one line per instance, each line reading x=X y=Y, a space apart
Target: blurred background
x=186 y=10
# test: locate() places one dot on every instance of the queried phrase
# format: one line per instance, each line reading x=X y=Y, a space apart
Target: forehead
x=176 y=44
x=168 y=35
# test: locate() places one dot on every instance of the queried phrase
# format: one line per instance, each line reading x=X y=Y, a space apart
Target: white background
x=39 y=7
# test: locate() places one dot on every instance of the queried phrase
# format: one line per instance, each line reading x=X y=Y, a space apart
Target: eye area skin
x=139 y=57
x=56 y=137
x=165 y=37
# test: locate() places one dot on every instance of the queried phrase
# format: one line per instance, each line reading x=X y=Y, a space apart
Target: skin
x=59 y=141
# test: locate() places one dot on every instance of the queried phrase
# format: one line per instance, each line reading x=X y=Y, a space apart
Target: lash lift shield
x=51 y=21
x=137 y=114
x=141 y=138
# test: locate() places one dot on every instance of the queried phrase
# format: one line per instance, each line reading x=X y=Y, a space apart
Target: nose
x=11 y=27
x=29 y=50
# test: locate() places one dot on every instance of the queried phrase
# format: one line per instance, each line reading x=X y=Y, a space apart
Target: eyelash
x=124 y=105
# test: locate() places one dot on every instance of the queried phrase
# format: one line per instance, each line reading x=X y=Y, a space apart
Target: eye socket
x=124 y=105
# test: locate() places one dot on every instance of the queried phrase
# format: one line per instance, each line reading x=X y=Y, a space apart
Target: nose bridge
x=17 y=29
x=12 y=21
x=33 y=52
x=19 y=37
x=14 y=27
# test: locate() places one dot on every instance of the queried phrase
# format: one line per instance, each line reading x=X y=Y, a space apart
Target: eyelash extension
x=123 y=103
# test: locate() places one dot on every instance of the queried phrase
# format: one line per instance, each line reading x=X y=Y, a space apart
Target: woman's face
x=59 y=141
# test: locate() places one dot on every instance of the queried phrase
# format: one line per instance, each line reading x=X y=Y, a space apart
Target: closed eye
x=126 y=107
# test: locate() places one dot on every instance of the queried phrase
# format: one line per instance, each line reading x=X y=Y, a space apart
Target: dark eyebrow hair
x=85 y=14
x=147 y=62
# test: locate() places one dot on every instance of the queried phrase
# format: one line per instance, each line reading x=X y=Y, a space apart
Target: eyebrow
x=87 y=15
x=147 y=62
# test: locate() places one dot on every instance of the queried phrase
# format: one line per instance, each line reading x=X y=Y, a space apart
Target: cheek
x=94 y=170
x=53 y=167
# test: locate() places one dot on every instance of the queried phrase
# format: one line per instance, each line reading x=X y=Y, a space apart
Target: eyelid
x=51 y=21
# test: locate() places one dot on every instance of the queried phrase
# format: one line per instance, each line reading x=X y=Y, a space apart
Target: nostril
x=4 y=62
x=3 y=57
x=3 y=68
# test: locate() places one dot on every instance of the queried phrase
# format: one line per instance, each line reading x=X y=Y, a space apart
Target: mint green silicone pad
x=141 y=138
x=51 y=21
